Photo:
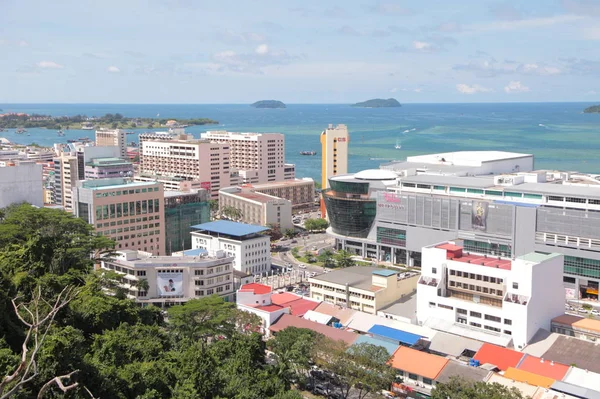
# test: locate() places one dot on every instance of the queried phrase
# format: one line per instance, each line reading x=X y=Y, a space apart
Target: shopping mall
x=496 y=202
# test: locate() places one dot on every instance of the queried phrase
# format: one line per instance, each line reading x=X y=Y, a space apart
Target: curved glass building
x=351 y=201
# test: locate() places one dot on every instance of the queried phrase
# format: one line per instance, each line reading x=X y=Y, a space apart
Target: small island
x=594 y=109
x=379 y=103
x=268 y=104
x=108 y=121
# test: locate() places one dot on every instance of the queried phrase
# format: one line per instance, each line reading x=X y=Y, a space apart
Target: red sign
x=205 y=185
x=341 y=140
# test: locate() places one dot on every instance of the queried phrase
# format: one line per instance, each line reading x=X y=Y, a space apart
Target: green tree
x=231 y=212
x=343 y=258
x=214 y=208
x=326 y=257
x=458 y=388
x=290 y=233
x=274 y=231
x=293 y=348
x=367 y=370
x=315 y=224
x=309 y=256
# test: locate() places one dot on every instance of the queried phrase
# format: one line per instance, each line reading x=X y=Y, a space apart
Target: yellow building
x=367 y=289
x=334 y=155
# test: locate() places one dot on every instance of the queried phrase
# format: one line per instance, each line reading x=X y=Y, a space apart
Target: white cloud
x=523 y=23
x=422 y=46
x=515 y=86
x=393 y=90
x=535 y=69
x=231 y=37
x=113 y=69
x=474 y=89
x=591 y=33
x=23 y=43
x=390 y=9
x=262 y=49
x=49 y=65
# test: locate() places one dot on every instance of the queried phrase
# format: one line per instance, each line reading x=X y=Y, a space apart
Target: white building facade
x=21 y=183
x=503 y=298
x=113 y=137
x=173 y=279
x=258 y=208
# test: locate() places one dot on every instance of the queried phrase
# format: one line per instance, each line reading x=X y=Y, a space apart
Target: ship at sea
x=60 y=133
x=308 y=153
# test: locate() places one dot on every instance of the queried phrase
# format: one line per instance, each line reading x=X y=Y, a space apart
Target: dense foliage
x=315 y=224
x=460 y=389
x=379 y=103
x=268 y=104
x=594 y=109
x=109 y=120
x=208 y=349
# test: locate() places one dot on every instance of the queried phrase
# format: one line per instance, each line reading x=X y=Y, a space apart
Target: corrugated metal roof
x=501 y=357
x=453 y=345
x=395 y=334
x=366 y=339
x=417 y=362
x=575 y=390
x=528 y=377
x=230 y=228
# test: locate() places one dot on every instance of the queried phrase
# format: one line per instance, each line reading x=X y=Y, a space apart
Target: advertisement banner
x=570 y=293
x=169 y=284
x=205 y=185
x=479 y=215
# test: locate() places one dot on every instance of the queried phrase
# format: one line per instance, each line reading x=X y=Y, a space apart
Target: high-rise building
x=257 y=208
x=113 y=137
x=301 y=192
x=183 y=210
x=334 y=155
x=259 y=157
x=200 y=160
x=103 y=168
x=131 y=213
x=21 y=182
x=66 y=174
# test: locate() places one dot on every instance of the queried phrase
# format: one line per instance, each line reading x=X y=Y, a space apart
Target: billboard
x=479 y=214
x=169 y=284
x=205 y=185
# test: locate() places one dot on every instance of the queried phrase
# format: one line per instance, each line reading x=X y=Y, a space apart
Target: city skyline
x=182 y=51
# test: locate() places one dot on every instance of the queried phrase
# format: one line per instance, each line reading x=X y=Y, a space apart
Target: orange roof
x=527 y=377
x=501 y=357
x=582 y=323
x=546 y=368
x=417 y=362
x=449 y=247
x=282 y=298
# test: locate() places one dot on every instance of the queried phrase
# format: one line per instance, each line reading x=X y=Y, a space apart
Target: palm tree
x=142 y=285
x=344 y=259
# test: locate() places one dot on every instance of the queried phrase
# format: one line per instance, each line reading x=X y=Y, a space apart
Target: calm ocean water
x=558 y=134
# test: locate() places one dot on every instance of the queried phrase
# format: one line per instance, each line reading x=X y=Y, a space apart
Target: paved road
x=318 y=241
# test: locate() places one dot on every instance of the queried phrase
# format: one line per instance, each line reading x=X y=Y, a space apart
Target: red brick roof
x=269 y=308
x=256 y=288
x=501 y=357
x=283 y=298
x=544 y=367
x=336 y=334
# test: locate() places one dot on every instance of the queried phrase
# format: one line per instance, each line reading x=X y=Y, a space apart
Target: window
x=441 y=188
x=507 y=332
x=532 y=196
x=474 y=191
x=445 y=306
x=427 y=381
x=475 y=314
x=461 y=311
x=413 y=376
x=434 y=270
x=508 y=322
x=491 y=328
x=432 y=304
x=492 y=318
x=515 y=286
x=457 y=190
x=475 y=324
x=493 y=192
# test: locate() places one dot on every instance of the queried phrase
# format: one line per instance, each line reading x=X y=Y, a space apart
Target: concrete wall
x=21 y=183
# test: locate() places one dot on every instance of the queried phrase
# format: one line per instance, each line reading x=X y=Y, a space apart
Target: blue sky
x=194 y=51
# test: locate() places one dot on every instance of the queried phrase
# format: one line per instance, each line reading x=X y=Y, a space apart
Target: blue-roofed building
x=247 y=243
x=366 y=339
x=393 y=335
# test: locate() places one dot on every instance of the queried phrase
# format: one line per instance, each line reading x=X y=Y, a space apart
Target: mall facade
x=496 y=202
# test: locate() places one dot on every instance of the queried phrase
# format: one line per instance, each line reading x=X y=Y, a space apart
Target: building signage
x=169 y=284
x=205 y=185
x=479 y=214
x=341 y=140
x=390 y=201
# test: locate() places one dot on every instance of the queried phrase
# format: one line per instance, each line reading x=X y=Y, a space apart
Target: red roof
x=336 y=334
x=256 y=288
x=544 y=367
x=301 y=306
x=483 y=260
x=284 y=297
x=501 y=357
x=269 y=308
x=449 y=247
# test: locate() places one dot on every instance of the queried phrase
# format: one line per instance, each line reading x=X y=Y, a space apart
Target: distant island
x=110 y=121
x=379 y=103
x=268 y=104
x=594 y=109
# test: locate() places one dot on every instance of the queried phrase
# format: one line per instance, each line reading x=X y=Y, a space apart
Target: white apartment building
x=113 y=137
x=362 y=288
x=301 y=192
x=200 y=160
x=66 y=175
x=256 y=298
x=173 y=279
x=258 y=208
x=489 y=298
x=21 y=183
x=250 y=249
x=259 y=157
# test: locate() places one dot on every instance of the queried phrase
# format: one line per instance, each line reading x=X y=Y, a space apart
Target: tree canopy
x=458 y=388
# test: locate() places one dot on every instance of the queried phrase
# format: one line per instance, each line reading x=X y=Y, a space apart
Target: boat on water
x=133 y=144
x=60 y=133
x=129 y=132
x=20 y=131
x=84 y=139
x=398 y=145
x=71 y=141
x=308 y=153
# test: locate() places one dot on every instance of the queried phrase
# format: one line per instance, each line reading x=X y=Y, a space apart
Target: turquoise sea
x=558 y=134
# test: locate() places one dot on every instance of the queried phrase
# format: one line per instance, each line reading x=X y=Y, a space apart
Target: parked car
x=302 y=266
x=582 y=310
x=294 y=241
x=596 y=312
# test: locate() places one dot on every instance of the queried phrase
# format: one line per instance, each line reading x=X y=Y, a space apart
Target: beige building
x=113 y=137
x=174 y=279
x=301 y=192
x=334 y=155
x=66 y=175
x=259 y=157
x=131 y=213
x=362 y=288
x=257 y=208
x=200 y=160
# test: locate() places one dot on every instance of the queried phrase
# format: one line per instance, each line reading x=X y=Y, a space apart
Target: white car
x=312 y=274
x=302 y=266
x=596 y=312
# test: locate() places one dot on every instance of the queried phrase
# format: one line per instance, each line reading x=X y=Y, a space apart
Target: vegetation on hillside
x=379 y=103
x=458 y=388
x=113 y=121
x=594 y=109
x=268 y=104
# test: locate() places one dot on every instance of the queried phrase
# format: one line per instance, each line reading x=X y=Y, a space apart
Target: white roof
x=363 y=322
x=526 y=389
x=317 y=317
x=376 y=174
x=583 y=378
x=454 y=328
x=466 y=157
